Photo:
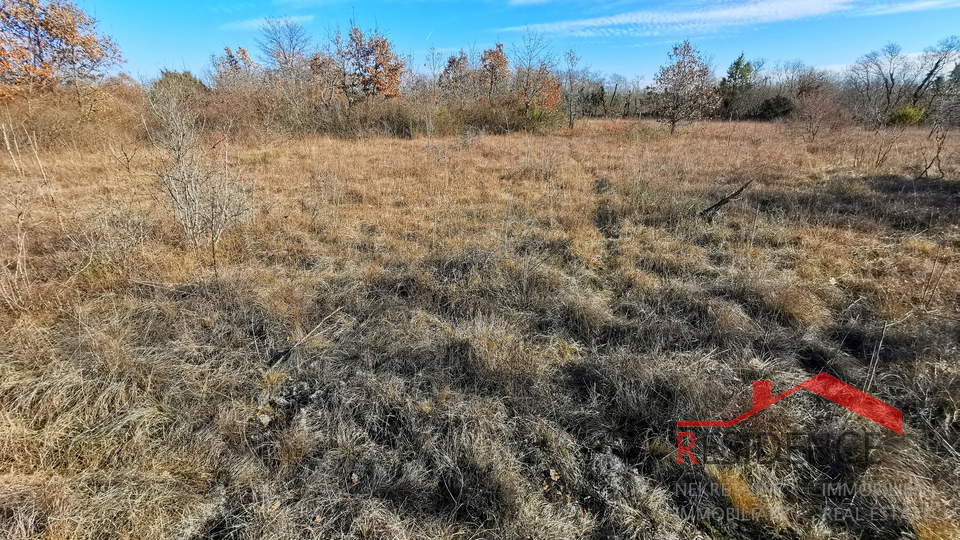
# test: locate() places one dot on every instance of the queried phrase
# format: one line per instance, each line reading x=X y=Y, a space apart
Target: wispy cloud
x=711 y=15
x=919 y=5
x=649 y=23
x=254 y=24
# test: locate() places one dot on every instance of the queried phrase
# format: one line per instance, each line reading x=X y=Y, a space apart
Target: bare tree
x=534 y=49
x=572 y=84
x=881 y=81
x=887 y=80
x=533 y=60
x=433 y=64
x=818 y=109
x=616 y=99
x=947 y=111
x=284 y=43
x=934 y=64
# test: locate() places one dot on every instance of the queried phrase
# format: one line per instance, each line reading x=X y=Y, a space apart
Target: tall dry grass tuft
x=14 y=281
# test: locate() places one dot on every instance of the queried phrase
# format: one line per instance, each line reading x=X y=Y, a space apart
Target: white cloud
x=255 y=24
x=919 y=5
x=711 y=15
x=702 y=19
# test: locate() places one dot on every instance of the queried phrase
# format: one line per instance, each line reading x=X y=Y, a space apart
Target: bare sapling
x=938 y=138
x=207 y=193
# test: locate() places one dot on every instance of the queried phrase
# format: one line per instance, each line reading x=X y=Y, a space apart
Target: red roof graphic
x=825 y=385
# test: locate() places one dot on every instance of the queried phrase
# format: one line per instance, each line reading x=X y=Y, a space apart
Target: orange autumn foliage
x=42 y=43
x=541 y=90
x=495 y=68
x=371 y=67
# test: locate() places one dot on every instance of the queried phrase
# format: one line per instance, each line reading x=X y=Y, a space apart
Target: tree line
x=354 y=82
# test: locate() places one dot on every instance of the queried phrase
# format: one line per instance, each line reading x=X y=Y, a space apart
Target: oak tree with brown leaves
x=233 y=66
x=495 y=69
x=370 y=65
x=539 y=92
x=456 y=79
x=43 y=43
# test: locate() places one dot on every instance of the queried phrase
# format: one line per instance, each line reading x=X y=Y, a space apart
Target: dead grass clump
x=663 y=253
x=801 y=304
x=501 y=353
x=730 y=317
x=31 y=507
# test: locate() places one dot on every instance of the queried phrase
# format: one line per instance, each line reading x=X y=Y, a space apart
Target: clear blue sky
x=627 y=37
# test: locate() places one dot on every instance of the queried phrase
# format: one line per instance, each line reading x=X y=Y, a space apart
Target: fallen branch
x=710 y=211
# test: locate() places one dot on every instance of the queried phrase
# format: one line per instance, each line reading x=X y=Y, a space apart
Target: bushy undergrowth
x=247 y=111
x=484 y=337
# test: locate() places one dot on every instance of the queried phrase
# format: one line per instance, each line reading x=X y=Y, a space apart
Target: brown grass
x=477 y=337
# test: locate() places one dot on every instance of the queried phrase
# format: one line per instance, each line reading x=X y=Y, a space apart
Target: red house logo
x=825 y=385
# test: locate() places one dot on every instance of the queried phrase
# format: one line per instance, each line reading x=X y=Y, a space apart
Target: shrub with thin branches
x=208 y=196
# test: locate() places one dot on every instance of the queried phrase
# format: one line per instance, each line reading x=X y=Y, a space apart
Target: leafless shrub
x=208 y=194
x=818 y=111
x=873 y=149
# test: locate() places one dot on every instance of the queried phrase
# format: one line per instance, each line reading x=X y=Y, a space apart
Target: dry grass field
x=488 y=336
